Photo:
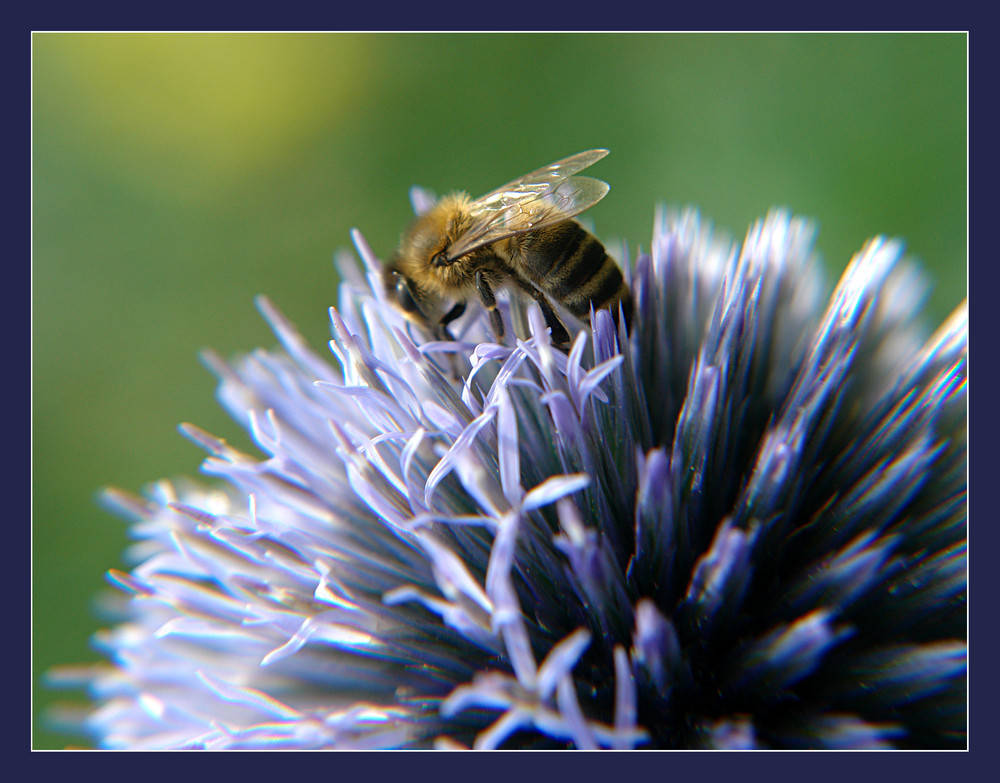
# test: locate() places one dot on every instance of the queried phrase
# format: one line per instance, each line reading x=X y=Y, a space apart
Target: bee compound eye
x=404 y=297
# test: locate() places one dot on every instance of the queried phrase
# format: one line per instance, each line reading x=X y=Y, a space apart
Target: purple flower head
x=741 y=525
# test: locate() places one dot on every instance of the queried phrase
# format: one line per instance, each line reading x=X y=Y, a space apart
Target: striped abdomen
x=571 y=266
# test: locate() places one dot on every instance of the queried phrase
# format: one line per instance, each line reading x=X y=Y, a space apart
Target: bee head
x=404 y=294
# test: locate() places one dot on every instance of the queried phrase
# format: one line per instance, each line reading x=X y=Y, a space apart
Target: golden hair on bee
x=520 y=236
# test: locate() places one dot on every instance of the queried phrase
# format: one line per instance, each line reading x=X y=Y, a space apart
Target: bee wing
x=541 y=181
x=539 y=199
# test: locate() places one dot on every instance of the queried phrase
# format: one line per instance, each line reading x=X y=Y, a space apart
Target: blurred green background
x=176 y=176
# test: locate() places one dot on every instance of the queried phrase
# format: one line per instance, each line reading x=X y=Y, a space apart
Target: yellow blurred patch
x=194 y=109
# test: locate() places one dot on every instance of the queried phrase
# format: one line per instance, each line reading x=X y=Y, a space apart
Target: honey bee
x=520 y=236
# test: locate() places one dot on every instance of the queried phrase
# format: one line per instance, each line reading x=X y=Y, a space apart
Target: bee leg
x=455 y=312
x=490 y=303
x=442 y=332
x=560 y=338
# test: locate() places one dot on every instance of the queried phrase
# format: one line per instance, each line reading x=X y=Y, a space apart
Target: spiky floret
x=741 y=525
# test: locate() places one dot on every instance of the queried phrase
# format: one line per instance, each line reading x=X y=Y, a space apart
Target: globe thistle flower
x=740 y=526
